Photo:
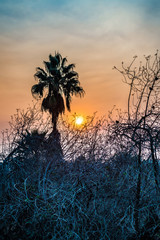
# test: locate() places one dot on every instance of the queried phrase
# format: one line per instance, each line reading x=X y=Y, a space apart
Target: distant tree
x=56 y=85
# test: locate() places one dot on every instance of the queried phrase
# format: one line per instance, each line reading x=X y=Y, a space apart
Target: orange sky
x=95 y=35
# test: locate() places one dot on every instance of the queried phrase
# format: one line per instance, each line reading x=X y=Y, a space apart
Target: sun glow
x=79 y=120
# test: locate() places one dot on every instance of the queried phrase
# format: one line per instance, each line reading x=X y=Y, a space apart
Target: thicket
x=100 y=181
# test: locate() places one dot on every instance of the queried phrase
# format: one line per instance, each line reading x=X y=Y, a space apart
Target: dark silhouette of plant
x=90 y=196
x=103 y=190
x=141 y=127
x=57 y=82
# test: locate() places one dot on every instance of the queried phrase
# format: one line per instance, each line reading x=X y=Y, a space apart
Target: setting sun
x=79 y=120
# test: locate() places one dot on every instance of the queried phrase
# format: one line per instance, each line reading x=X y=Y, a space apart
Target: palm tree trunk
x=54 y=121
x=54 y=138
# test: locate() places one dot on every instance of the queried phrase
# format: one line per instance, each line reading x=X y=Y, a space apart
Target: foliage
x=106 y=184
x=56 y=82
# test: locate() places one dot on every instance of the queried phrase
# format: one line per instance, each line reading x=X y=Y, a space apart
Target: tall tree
x=57 y=83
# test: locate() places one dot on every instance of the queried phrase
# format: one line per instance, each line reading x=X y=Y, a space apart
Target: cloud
x=96 y=35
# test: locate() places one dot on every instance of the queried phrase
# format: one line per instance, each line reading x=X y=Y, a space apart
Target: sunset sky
x=93 y=34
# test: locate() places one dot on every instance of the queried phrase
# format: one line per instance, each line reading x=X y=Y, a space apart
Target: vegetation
x=58 y=79
x=106 y=187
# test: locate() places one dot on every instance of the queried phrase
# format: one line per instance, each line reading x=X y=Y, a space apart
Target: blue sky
x=96 y=35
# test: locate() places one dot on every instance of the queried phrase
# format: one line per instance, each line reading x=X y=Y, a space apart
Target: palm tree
x=57 y=84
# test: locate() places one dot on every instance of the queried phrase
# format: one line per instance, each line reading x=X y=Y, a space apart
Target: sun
x=79 y=120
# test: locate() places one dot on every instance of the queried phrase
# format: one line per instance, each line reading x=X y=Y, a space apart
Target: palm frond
x=53 y=104
x=69 y=68
x=68 y=102
x=77 y=91
x=58 y=57
x=64 y=61
x=53 y=61
x=40 y=76
x=37 y=89
x=55 y=73
x=41 y=70
x=45 y=104
x=72 y=82
x=71 y=75
x=47 y=66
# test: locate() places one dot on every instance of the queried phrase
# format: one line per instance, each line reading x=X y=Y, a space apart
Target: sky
x=95 y=35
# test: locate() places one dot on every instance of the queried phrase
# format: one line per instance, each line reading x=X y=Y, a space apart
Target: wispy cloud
x=94 y=34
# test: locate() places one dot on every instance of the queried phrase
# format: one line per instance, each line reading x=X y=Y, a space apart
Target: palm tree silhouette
x=57 y=84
